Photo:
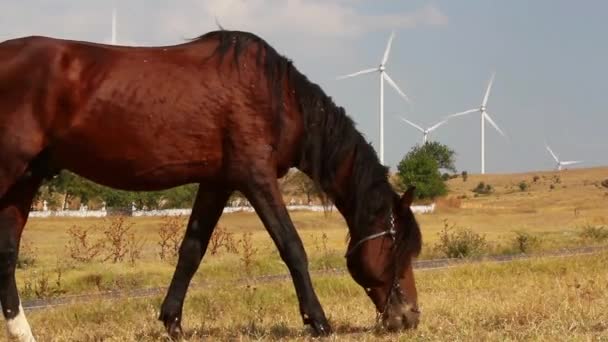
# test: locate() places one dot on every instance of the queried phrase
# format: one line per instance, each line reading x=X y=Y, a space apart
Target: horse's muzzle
x=401 y=317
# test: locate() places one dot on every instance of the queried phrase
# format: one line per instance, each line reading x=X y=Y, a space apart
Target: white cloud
x=156 y=21
x=309 y=31
x=310 y=18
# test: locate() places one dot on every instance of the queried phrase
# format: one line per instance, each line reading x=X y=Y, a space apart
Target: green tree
x=301 y=184
x=443 y=155
x=420 y=169
x=72 y=187
x=116 y=198
x=181 y=196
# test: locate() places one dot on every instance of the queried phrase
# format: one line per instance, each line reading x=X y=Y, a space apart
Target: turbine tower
x=425 y=132
x=559 y=164
x=113 y=41
x=381 y=69
x=484 y=116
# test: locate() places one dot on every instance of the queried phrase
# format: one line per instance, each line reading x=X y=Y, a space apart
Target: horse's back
x=144 y=117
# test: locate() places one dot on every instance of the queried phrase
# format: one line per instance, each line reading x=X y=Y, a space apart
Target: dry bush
x=221 y=237
x=80 y=246
x=524 y=242
x=27 y=255
x=134 y=248
x=247 y=252
x=40 y=286
x=171 y=233
x=483 y=189
x=327 y=256
x=523 y=186
x=594 y=233
x=459 y=242
x=121 y=241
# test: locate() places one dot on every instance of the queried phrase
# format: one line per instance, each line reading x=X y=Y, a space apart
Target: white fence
x=84 y=212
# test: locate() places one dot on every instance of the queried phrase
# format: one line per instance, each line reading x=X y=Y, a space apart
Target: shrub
x=80 y=247
x=247 y=252
x=121 y=241
x=483 y=189
x=523 y=186
x=458 y=242
x=524 y=242
x=595 y=233
x=27 y=255
x=328 y=257
x=535 y=179
x=605 y=183
x=40 y=286
x=171 y=233
x=465 y=176
x=221 y=237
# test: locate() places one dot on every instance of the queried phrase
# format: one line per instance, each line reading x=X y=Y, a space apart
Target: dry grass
x=540 y=300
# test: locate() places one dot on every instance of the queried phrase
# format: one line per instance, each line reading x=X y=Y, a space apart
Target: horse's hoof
x=173 y=326
x=321 y=328
x=174 y=329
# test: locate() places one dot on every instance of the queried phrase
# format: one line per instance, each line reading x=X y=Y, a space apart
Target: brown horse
x=224 y=110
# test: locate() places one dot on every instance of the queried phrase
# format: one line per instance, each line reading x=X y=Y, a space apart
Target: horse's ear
x=407 y=198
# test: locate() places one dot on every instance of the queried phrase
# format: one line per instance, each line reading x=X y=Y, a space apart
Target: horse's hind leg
x=14 y=210
x=206 y=212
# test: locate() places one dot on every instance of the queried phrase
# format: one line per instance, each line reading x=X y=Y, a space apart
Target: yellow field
x=486 y=300
x=539 y=300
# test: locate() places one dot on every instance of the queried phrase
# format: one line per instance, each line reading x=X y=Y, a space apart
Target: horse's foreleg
x=14 y=210
x=206 y=212
x=263 y=192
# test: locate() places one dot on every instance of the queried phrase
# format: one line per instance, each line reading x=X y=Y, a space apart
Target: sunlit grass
x=545 y=299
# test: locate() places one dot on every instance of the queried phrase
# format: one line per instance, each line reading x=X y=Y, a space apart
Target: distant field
x=554 y=209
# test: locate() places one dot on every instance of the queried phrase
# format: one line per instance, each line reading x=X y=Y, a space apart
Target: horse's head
x=381 y=263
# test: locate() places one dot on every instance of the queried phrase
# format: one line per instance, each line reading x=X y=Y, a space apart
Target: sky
x=548 y=56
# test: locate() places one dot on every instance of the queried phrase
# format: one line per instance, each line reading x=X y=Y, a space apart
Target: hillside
x=579 y=189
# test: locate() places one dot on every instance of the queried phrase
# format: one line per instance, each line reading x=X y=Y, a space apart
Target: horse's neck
x=340 y=190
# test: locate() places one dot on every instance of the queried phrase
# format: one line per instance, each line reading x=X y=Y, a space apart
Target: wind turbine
x=381 y=69
x=425 y=132
x=113 y=41
x=559 y=164
x=484 y=116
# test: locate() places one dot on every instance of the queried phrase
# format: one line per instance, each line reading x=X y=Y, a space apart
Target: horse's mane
x=330 y=136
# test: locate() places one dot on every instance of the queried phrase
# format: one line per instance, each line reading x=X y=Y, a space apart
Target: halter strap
x=391 y=231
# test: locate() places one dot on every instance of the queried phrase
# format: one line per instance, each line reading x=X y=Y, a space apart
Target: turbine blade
x=413 y=124
x=494 y=124
x=362 y=72
x=462 y=113
x=394 y=85
x=388 y=48
x=432 y=128
x=485 y=98
x=571 y=162
x=552 y=154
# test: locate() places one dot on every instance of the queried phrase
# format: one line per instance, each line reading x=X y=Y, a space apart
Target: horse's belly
x=151 y=167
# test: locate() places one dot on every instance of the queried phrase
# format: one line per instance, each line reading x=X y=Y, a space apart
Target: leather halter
x=395 y=286
x=390 y=231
